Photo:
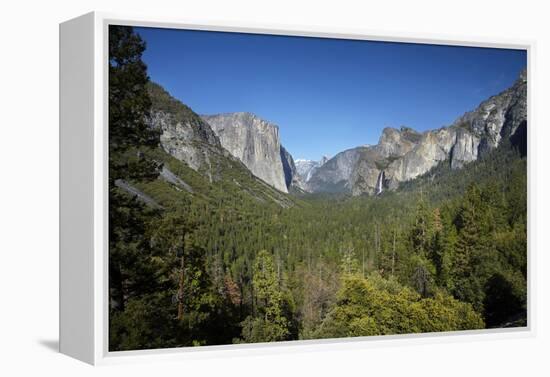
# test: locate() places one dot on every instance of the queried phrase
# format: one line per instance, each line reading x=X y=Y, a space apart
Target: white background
x=29 y=183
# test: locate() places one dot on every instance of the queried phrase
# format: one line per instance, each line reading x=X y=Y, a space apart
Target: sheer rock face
x=292 y=178
x=253 y=141
x=404 y=154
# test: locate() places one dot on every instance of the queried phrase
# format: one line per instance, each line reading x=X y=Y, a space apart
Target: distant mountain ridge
x=400 y=154
x=404 y=154
x=305 y=168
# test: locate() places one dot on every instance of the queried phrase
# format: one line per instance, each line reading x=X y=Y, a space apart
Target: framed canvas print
x=236 y=189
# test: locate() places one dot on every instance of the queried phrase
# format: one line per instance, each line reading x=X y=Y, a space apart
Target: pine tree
x=421 y=269
x=129 y=101
x=129 y=107
x=438 y=253
x=268 y=324
x=349 y=263
x=420 y=234
x=446 y=246
x=474 y=255
x=266 y=287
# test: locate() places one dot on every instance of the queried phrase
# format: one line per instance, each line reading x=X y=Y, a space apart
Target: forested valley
x=199 y=260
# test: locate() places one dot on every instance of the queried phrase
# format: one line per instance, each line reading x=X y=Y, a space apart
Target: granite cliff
x=255 y=142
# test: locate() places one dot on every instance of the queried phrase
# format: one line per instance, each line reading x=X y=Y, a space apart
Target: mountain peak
x=244 y=117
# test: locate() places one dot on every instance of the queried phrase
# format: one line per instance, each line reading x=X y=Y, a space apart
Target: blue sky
x=326 y=95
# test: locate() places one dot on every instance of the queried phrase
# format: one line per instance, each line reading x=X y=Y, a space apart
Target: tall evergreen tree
x=421 y=269
x=129 y=102
x=474 y=255
x=421 y=230
x=269 y=324
x=129 y=107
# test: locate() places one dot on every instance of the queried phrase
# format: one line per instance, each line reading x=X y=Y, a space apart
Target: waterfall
x=380 y=183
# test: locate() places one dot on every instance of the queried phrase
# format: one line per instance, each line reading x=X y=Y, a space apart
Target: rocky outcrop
x=184 y=135
x=172 y=178
x=253 y=141
x=497 y=117
x=395 y=142
x=133 y=191
x=404 y=154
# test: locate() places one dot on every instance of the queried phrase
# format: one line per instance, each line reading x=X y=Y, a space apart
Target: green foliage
x=431 y=249
x=505 y=297
x=349 y=264
x=421 y=231
x=268 y=324
x=145 y=323
x=129 y=106
x=147 y=247
x=130 y=271
x=474 y=255
x=442 y=254
x=162 y=101
x=376 y=306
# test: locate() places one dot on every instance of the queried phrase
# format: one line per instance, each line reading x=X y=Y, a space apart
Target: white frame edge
x=84 y=214
x=76 y=196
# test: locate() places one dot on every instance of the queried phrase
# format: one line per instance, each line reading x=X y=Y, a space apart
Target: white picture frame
x=83 y=191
